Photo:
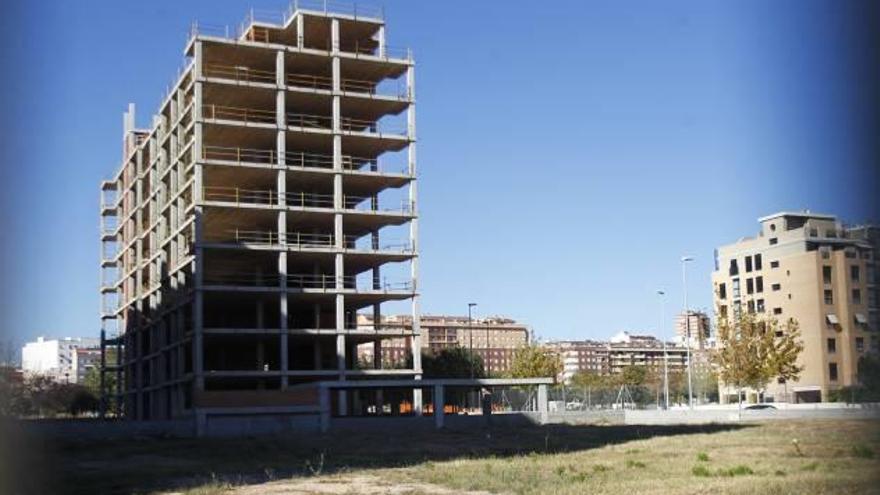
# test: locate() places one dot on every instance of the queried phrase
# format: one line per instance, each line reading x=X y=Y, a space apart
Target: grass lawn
x=829 y=457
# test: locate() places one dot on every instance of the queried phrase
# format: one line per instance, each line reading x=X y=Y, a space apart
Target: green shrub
x=701 y=471
x=635 y=464
x=702 y=456
x=740 y=470
x=862 y=451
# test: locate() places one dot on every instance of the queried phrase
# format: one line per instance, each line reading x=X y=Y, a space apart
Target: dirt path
x=346 y=485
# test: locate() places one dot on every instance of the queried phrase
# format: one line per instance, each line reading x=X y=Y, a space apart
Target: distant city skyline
x=569 y=161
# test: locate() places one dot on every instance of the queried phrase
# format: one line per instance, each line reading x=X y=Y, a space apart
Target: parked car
x=759 y=407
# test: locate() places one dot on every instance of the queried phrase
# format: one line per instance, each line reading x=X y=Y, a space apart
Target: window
x=751 y=307
x=759 y=284
x=829 y=297
x=758 y=262
x=722 y=291
x=825 y=253
x=773 y=241
x=831 y=233
x=854 y=273
x=760 y=306
x=774 y=264
x=856 y=296
x=777 y=311
x=832 y=372
x=722 y=310
x=748 y=264
x=849 y=253
x=773 y=227
x=750 y=286
x=734 y=269
x=814 y=232
x=831 y=346
x=776 y=287
x=826 y=274
x=736 y=288
x=860 y=344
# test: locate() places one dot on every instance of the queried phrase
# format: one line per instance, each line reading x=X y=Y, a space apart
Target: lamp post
x=665 y=354
x=471 y=337
x=687 y=326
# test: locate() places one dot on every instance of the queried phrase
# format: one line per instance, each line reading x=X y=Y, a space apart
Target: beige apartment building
x=612 y=356
x=270 y=202
x=495 y=339
x=811 y=268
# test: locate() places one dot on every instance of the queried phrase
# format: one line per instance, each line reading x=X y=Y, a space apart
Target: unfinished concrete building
x=272 y=200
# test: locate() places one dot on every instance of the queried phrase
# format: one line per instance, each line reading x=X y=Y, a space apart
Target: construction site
x=271 y=202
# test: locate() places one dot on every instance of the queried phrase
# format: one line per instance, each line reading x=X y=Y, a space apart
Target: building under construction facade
x=271 y=201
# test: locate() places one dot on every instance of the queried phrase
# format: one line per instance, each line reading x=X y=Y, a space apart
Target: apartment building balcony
x=356 y=88
x=301 y=241
x=300 y=200
x=219 y=280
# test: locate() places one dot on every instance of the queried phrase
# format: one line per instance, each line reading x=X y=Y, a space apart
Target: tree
x=532 y=361
x=752 y=351
x=452 y=362
x=589 y=379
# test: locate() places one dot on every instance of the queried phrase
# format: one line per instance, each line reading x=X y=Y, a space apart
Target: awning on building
x=832 y=319
x=860 y=319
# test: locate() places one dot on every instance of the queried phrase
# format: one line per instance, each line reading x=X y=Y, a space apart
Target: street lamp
x=665 y=354
x=687 y=326
x=471 y=306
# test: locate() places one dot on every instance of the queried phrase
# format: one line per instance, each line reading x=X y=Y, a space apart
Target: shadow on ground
x=145 y=464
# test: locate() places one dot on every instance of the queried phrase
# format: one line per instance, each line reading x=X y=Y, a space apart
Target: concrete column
x=377 y=354
x=334 y=36
x=381 y=39
x=542 y=404
x=324 y=404
x=439 y=402
x=279 y=69
x=300 y=35
x=318 y=353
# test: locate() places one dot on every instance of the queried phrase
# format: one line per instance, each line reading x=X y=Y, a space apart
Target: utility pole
x=471 y=337
x=665 y=353
x=687 y=326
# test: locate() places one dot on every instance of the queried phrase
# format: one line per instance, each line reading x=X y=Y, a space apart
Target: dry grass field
x=797 y=457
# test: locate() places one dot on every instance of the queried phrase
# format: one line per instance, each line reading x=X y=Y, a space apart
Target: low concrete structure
x=438 y=388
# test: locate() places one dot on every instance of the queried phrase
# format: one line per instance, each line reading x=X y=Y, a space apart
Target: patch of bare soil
x=347 y=485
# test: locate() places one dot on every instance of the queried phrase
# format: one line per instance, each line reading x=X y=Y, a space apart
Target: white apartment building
x=56 y=358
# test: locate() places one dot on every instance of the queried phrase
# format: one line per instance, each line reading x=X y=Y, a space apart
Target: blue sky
x=569 y=152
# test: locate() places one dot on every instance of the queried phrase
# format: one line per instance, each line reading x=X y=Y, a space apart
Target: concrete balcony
x=315 y=283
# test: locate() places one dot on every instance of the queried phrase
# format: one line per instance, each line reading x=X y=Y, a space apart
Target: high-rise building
x=811 y=268
x=58 y=358
x=699 y=327
x=495 y=339
x=271 y=201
